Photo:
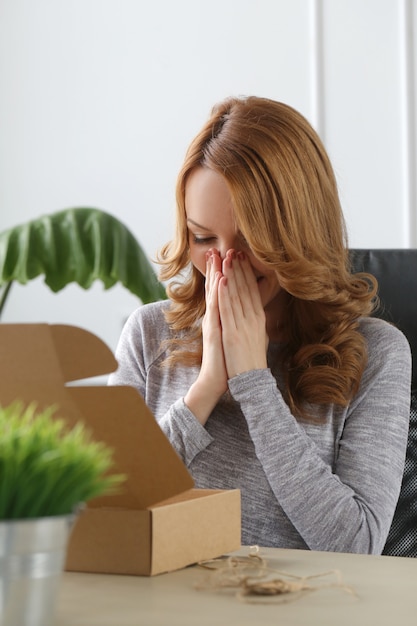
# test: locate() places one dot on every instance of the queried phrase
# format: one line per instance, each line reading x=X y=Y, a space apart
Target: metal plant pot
x=32 y=558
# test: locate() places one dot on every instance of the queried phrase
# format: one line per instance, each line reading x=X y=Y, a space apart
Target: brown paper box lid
x=36 y=362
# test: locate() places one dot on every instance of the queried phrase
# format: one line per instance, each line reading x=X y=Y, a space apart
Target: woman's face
x=210 y=223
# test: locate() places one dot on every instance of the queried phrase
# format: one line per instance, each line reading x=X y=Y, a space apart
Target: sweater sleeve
x=187 y=436
x=139 y=355
x=348 y=507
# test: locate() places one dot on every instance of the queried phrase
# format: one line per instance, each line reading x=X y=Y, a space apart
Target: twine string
x=254 y=581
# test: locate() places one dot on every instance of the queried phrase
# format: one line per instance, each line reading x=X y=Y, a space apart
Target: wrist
x=201 y=401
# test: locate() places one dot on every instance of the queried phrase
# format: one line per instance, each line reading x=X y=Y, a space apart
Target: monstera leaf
x=78 y=245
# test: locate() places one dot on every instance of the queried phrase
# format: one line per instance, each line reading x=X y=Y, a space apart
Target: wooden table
x=385 y=594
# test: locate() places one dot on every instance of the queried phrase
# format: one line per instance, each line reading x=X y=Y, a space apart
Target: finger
x=217 y=262
x=210 y=271
x=212 y=301
x=226 y=312
x=233 y=292
x=248 y=280
x=242 y=283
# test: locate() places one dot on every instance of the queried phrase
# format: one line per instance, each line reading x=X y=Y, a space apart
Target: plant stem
x=4 y=293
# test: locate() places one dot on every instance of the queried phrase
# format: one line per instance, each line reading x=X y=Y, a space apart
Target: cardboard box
x=158 y=522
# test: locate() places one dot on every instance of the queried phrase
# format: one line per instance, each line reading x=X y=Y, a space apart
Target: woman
x=264 y=368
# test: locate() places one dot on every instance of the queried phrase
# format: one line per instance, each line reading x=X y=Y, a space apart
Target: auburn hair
x=286 y=206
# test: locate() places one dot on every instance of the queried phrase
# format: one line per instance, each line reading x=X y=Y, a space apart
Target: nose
x=236 y=243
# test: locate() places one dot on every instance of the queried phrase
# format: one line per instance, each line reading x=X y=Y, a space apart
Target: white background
x=100 y=98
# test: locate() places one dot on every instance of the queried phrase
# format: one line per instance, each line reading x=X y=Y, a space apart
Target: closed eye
x=202 y=240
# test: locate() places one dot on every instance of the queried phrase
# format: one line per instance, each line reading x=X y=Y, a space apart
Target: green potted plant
x=78 y=245
x=46 y=471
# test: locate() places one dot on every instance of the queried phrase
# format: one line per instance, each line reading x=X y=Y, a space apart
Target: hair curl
x=287 y=207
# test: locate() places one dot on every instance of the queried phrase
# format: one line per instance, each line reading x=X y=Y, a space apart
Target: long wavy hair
x=286 y=206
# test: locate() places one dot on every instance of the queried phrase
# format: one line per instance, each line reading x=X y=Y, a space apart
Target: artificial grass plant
x=47 y=469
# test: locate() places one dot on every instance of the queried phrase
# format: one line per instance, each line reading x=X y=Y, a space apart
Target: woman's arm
x=347 y=507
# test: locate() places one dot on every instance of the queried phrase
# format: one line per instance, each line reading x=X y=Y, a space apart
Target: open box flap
x=35 y=362
x=81 y=354
x=119 y=417
x=53 y=353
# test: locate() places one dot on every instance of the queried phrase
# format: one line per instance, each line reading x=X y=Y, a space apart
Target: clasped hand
x=234 y=334
x=234 y=330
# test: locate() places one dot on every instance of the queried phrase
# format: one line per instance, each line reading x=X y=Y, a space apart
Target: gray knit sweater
x=328 y=486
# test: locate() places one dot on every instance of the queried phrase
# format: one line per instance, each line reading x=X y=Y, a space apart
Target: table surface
x=384 y=593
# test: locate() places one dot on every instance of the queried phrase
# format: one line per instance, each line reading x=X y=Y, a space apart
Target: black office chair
x=396 y=272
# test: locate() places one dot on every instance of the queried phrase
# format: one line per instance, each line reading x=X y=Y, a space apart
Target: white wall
x=100 y=98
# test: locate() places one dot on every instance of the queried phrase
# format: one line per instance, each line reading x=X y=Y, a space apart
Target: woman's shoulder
x=378 y=331
x=152 y=313
x=388 y=368
x=144 y=331
x=385 y=341
x=147 y=323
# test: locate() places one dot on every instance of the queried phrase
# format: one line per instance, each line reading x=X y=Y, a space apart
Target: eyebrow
x=198 y=225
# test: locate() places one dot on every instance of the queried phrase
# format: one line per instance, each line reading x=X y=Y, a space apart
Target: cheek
x=198 y=259
x=271 y=283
